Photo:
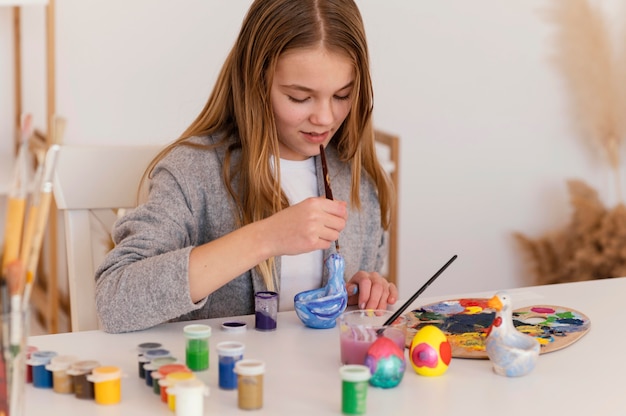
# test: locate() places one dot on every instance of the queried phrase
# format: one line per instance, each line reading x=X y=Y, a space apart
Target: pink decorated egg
x=386 y=363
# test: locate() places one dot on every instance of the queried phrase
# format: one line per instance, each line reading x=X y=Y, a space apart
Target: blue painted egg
x=386 y=363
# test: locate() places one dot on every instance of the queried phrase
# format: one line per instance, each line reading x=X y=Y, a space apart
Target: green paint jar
x=354 y=388
x=197 y=346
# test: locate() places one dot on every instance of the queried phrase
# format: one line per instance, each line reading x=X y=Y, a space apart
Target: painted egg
x=386 y=363
x=430 y=352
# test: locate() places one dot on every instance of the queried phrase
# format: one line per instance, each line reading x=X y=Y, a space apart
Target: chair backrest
x=91 y=183
x=388 y=151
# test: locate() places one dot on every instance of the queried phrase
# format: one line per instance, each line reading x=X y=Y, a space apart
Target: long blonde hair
x=239 y=106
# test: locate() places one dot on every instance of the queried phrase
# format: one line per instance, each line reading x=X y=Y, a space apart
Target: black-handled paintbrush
x=421 y=290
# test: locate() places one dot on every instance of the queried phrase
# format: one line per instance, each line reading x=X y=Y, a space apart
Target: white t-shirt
x=303 y=271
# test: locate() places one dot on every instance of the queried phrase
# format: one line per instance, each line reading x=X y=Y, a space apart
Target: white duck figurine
x=511 y=352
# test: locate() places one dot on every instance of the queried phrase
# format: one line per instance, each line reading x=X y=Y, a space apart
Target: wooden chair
x=91 y=184
x=388 y=150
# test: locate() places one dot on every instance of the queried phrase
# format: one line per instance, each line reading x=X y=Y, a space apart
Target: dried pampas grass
x=590 y=247
x=593 y=244
x=587 y=60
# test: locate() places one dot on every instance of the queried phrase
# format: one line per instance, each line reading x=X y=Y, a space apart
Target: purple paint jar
x=266 y=310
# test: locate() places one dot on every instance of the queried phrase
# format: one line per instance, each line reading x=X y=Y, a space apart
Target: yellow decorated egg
x=430 y=352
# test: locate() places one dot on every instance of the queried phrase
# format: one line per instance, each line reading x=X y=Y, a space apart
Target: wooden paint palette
x=466 y=322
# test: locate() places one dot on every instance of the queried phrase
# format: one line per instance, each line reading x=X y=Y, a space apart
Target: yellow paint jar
x=107 y=382
x=170 y=381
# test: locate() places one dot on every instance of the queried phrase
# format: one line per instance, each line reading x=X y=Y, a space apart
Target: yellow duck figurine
x=511 y=352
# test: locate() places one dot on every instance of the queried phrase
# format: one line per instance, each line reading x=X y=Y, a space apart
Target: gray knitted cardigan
x=143 y=281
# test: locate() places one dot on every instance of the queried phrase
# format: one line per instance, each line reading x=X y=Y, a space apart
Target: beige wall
x=487 y=141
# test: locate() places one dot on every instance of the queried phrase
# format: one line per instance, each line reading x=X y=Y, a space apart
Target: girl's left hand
x=371 y=291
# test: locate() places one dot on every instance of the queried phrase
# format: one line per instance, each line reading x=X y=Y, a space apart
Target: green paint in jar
x=197 y=346
x=354 y=388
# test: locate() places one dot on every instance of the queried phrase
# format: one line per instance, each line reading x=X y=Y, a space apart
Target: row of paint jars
x=174 y=382
x=66 y=374
x=178 y=386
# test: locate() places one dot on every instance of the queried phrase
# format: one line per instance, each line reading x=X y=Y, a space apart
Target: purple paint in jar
x=266 y=310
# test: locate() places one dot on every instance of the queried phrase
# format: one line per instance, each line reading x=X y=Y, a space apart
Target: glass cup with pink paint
x=358 y=329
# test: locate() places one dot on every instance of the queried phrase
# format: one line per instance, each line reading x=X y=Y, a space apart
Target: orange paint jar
x=163 y=371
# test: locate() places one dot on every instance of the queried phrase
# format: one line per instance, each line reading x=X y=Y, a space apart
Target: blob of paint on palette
x=466 y=322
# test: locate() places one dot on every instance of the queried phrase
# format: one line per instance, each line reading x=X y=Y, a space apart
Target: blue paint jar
x=229 y=352
x=158 y=353
x=141 y=360
x=42 y=378
x=148 y=357
x=151 y=367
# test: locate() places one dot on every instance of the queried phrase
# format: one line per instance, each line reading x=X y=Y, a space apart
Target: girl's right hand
x=313 y=224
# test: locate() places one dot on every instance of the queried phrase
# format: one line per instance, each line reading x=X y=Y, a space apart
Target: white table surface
x=302 y=378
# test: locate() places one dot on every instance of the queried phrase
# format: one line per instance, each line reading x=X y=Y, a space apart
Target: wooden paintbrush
x=17 y=200
x=42 y=204
x=329 y=192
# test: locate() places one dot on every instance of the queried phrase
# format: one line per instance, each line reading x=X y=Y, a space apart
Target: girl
x=236 y=204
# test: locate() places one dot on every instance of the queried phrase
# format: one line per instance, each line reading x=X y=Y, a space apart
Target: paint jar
x=189 y=396
x=141 y=360
x=354 y=386
x=107 y=384
x=78 y=371
x=61 y=381
x=234 y=326
x=197 y=346
x=266 y=310
x=38 y=361
x=163 y=372
x=29 y=369
x=229 y=352
x=250 y=383
x=170 y=381
x=151 y=367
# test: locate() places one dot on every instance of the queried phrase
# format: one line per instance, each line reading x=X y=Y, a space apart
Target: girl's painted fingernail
x=354 y=290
